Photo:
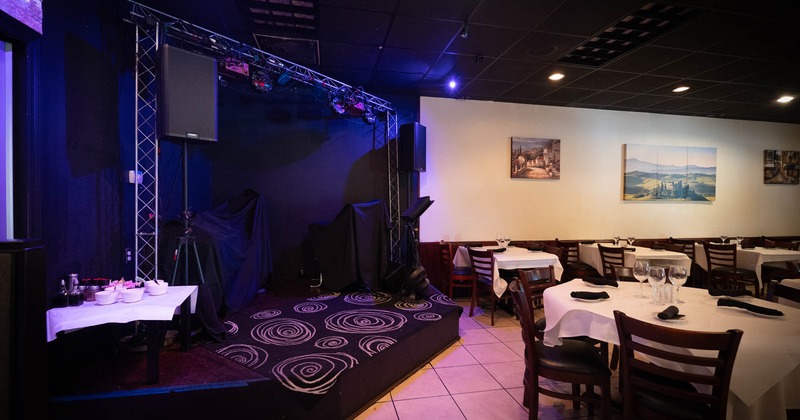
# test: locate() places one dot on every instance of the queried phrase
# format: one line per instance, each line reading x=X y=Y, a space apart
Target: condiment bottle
x=75 y=294
x=62 y=299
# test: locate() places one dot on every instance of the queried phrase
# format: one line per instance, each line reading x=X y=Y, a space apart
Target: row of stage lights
x=343 y=101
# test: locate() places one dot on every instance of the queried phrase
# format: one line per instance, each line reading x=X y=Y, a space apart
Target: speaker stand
x=187 y=240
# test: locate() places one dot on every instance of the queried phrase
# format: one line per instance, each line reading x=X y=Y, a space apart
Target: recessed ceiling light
x=785 y=99
x=556 y=76
x=680 y=89
x=452 y=84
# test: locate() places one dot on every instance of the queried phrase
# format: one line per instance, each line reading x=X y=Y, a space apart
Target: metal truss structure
x=152 y=28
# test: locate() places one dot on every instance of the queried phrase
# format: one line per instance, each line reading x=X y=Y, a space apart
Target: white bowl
x=105 y=297
x=132 y=295
x=156 y=288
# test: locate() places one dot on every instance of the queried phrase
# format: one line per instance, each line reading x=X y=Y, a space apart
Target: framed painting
x=673 y=173
x=535 y=158
x=781 y=167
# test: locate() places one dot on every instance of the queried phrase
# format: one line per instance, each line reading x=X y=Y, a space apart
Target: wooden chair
x=723 y=270
x=653 y=391
x=776 y=292
x=622 y=273
x=537 y=280
x=458 y=277
x=483 y=266
x=695 y=279
x=575 y=362
x=611 y=257
x=773 y=272
x=573 y=267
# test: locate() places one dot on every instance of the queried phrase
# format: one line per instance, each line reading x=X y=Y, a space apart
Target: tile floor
x=478 y=377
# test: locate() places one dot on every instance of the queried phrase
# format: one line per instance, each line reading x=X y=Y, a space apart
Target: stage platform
x=296 y=352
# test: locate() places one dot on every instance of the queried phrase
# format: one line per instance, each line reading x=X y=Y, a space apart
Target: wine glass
x=677 y=276
x=498 y=237
x=616 y=239
x=630 y=240
x=723 y=238
x=739 y=239
x=640 y=270
x=656 y=276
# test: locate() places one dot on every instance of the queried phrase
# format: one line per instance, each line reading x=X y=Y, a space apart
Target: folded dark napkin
x=729 y=292
x=748 y=246
x=750 y=307
x=601 y=281
x=670 y=313
x=589 y=295
x=535 y=248
x=587 y=242
x=629 y=249
x=499 y=250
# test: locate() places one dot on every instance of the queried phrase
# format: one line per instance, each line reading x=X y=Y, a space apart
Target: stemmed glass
x=640 y=271
x=630 y=240
x=677 y=276
x=657 y=276
x=723 y=238
x=502 y=240
x=739 y=239
x=616 y=239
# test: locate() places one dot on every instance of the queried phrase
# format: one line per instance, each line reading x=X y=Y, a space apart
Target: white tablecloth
x=751 y=259
x=511 y=259
x=150 y=308
x=766 y=373
x=590 y=254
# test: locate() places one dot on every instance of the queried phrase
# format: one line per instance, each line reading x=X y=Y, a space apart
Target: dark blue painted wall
x=287 y=145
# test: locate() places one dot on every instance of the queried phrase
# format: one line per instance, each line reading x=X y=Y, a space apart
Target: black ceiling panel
x=737 y=56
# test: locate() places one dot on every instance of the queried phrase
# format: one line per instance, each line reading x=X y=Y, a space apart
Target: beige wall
x=468 y=175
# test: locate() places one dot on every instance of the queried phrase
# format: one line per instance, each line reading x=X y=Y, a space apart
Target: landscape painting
x=781 y=167
x=535 y=158
x=673 y=173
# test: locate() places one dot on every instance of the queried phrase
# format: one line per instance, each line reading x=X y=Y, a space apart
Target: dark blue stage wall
x=286 y=145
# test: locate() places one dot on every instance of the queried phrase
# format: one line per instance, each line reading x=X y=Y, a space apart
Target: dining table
x=766 y=372
x=752 y=258
x=590 y=254
x=511 y=258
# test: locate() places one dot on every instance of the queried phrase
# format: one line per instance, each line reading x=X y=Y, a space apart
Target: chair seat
x=668 y=405
x=738 y=272
x=573 y=356
x=541 y=324
x=462 y=271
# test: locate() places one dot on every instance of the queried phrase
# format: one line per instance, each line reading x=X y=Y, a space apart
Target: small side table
x=153 y=310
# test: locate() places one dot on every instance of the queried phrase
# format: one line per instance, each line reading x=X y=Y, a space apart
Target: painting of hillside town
x=781 y=167
x=535 y=158
x=673 y=173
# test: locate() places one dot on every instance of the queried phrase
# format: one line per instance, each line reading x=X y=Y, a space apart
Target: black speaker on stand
x=417 y=278
x=411 y=147
x=187 y=105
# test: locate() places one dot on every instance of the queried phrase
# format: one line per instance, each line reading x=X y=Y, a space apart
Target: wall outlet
x=134 y=177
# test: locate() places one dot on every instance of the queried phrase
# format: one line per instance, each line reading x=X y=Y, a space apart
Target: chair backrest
x=668 y=246
x=776 y=292
x=522 y=304
x=719 y=255
x=688 y=246
x=536 y=280
x=482 y=263
x=557 y=251
x=610 y=257
x=570 y=250
x=641 y=342
x=623 y=273
x=769 y=243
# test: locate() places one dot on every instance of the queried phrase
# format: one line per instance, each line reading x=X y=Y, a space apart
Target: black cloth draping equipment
x=353 y=249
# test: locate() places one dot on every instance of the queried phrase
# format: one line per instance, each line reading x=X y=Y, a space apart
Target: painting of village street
x=781 y=167
x=674 y=173
x=535 y=158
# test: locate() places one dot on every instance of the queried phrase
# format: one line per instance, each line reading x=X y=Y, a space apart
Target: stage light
x=284 y=78
x=465 y=31
x=369 y=115
x=261 y=82
x=452 y=84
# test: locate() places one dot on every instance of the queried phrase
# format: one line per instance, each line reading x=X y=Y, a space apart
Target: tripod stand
x=187 y=240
